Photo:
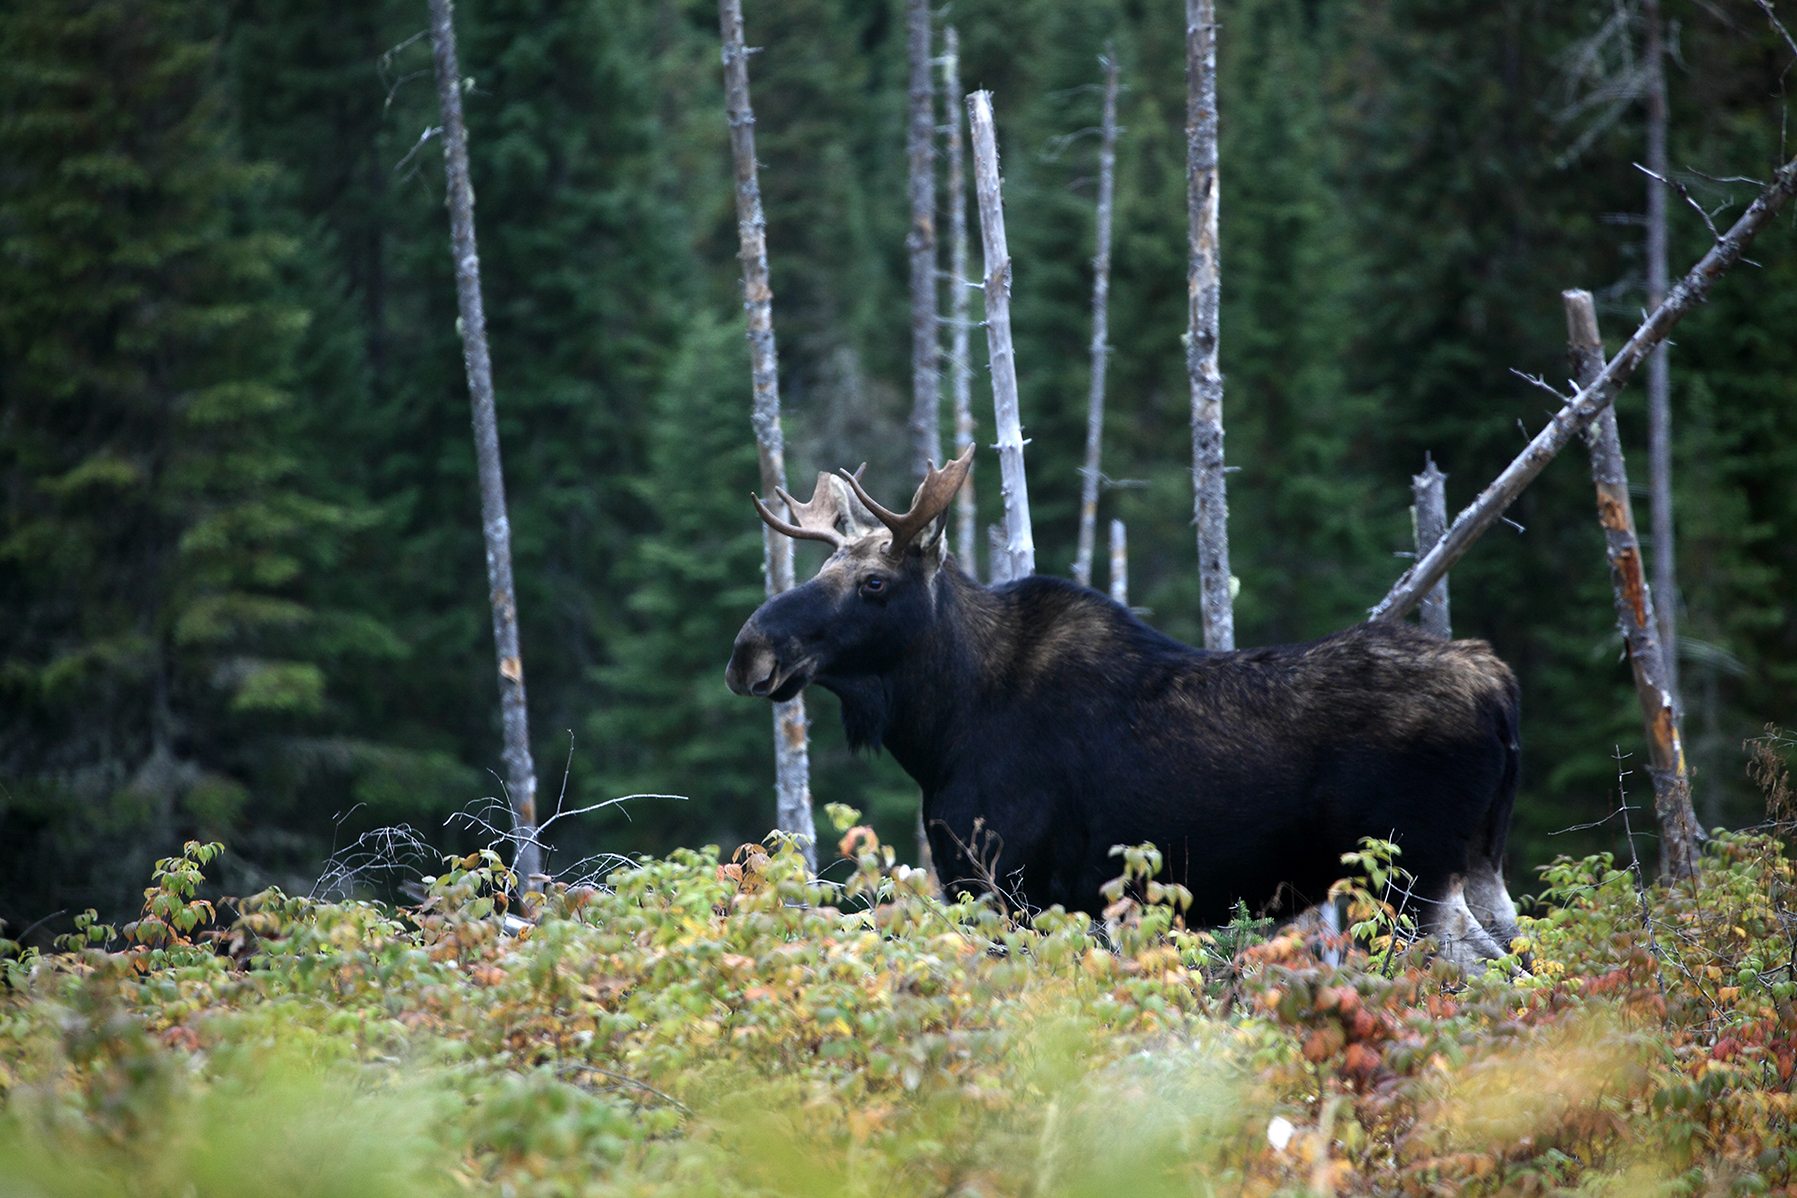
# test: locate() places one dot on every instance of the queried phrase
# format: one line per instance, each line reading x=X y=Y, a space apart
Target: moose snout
x=754 y=667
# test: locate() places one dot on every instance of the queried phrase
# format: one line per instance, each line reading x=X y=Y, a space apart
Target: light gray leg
x=1459 y=935
x=1489 y=901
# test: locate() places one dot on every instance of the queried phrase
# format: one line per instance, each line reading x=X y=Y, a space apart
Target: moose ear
x=933 y=543
x=856 y=517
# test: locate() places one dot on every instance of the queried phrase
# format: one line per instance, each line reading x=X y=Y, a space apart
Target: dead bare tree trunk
x=1210 y=503
x=1590 y=400
x=1429 y=491
x=1020 y=546
x=997 y=555
x=1101 y=295
x=920 y=150
x=966 y=543
x=1119 y=563
x=792 y=758
x=1659 y=376
x=496 y=529
x=1634 y=603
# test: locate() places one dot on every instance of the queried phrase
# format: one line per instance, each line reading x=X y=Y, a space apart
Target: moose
x=1045 y=724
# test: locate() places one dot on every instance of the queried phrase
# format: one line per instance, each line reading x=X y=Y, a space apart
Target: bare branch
x=1536 y=380
x=1685 y=195
x=1766 y=7
x=1592 y=399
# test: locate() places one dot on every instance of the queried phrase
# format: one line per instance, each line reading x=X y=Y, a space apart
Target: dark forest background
x=241 y=584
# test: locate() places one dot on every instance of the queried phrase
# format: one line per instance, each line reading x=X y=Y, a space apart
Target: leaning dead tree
x=1210 y=504
x=920 y=244
x=496 y=528
x=1622 y=63
x=792 y=761
x=1101 y=294
x=1429 y=491
x=1634 y=603
x=1020 y=544
x=966 y=543
x=1580 y=408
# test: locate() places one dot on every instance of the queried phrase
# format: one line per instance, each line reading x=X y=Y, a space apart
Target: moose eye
x=873 y=584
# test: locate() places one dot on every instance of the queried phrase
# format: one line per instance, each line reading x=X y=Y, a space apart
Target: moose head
x=869 y=600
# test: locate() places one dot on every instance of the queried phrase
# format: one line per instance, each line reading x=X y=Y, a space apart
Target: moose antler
x=932 y=499
x=815 y=521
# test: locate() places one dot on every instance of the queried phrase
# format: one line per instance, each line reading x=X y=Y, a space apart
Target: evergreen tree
x=241 y=566
x=160 y=530
x=671 y=726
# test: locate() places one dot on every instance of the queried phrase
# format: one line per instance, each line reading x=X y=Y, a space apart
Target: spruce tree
x=160 y=533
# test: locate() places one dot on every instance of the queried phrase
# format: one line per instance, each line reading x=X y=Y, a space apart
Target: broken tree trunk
x=966 y=543
x=920 y=244
x=1101 y=294
x=1690 y=291
x=1210 y=505
x=792 y=764
x=1020 y=544
x=1634 y=603
x=496 y=529
x=1430 y=494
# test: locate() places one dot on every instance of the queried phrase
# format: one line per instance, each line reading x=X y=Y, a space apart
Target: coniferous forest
x=241 y=568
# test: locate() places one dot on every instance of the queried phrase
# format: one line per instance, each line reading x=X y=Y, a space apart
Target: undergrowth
x=712 y=1025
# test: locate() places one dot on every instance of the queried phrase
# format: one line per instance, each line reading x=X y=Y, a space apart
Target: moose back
x=1045 y=724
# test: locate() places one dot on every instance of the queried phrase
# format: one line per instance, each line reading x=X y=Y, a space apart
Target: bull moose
x=1045 y=723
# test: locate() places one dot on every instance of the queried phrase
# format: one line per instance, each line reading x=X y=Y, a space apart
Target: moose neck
x=918 y=710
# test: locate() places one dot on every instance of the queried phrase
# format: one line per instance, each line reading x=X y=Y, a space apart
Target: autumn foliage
x=711 y=1023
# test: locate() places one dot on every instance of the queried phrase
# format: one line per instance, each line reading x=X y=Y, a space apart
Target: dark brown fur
x=1046 y=714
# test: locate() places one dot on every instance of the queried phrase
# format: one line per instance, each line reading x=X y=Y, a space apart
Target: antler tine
x=932 y=499
x=816 y=521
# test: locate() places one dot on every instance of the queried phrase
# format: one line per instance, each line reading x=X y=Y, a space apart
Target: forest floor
x=711 y=1025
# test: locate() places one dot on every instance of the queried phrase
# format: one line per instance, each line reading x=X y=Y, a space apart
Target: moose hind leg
x=1459 y=935
x=1489 y=901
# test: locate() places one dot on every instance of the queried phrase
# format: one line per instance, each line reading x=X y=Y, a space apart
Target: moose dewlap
x=1063 y=725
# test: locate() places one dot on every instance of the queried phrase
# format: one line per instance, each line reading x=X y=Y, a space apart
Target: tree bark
x=1101 y=350
x=997 y=555
x=920 y=244
x=1020 y=544
x=1590 y=400
x=496 y=529
x=1210 y=504
x=792 y=765
x=1659 y=376
x=1634 y=604
x=1430 y=492
x=1119 y=563
x=966 y=543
